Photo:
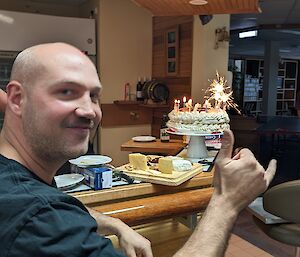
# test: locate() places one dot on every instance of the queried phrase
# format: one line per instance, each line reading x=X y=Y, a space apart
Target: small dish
x=90 y=160
x=68 y=180
x=144 y=138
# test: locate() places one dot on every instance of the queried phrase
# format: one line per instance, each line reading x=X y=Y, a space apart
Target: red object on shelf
x=127 y=92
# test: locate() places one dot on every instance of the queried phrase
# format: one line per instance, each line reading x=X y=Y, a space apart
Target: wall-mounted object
x=205 y=19
x=172 y=45
x=221 y=35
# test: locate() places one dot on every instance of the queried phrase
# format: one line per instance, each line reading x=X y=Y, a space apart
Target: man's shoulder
x=28 y=205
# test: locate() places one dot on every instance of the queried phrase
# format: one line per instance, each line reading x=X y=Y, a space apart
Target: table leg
x=189 y=221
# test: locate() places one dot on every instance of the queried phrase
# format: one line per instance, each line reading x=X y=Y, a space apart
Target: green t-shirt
x=37 y=220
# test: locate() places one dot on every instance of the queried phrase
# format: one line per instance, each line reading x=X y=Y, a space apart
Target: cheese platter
x=151 y=173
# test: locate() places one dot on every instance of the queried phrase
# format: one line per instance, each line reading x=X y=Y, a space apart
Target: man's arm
x=238 y=181
x=132 y=243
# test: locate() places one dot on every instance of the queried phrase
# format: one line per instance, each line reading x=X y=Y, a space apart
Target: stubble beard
x=45 y=146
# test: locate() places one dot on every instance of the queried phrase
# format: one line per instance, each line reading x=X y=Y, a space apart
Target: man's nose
x=86 y=109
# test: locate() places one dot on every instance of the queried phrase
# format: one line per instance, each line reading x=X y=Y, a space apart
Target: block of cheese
x=169 y=164
x=138 y=161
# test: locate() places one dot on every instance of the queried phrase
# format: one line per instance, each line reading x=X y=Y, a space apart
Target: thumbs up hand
x=239 y=178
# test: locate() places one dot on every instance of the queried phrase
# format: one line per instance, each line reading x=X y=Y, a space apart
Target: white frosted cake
x=208 y=118
x=209 y=121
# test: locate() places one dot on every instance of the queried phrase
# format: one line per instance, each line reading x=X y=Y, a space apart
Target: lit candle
x=184 y=103
x=190 y=104
x=197 y=105
x=206 y=105
x=218 y=104
x=175 y=105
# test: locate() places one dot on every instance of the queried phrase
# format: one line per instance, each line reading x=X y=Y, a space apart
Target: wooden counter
x=146 y=202
x=167 y=148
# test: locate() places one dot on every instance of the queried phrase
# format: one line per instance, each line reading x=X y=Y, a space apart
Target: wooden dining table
x=146 y=202
x=173 y=147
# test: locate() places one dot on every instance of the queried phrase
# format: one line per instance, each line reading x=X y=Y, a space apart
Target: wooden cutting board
x=154 y=176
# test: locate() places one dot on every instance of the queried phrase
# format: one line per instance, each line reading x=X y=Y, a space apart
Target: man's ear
x=15 y=94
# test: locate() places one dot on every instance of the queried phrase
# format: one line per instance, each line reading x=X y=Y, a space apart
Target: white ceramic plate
x=90 y=160
x=68 y=180
x=143 y=139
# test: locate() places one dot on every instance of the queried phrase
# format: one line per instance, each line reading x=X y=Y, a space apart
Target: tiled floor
x=168 y=236
x=239 y=247
x=246 y=228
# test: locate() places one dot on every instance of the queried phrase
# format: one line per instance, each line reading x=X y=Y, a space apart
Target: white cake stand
x=196 y=149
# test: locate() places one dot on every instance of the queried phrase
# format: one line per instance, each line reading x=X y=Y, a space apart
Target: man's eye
x=67 y=92
x=95 y=97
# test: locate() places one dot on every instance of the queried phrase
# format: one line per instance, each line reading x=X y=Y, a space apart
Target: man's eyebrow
x=96 y=88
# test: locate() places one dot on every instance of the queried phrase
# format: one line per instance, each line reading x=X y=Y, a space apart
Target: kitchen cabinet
x=23 y=30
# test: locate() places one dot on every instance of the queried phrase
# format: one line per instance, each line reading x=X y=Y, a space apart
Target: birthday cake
x=206 y=122
x=211 y=117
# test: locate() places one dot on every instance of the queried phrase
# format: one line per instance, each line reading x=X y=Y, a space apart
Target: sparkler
x=220 y=94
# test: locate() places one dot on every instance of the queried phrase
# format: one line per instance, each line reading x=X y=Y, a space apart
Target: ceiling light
x=198 y=2
x=251 y=33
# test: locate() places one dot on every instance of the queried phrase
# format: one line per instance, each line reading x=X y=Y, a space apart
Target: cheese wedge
x=165 y=165
x=138 y=161
x=170 y=164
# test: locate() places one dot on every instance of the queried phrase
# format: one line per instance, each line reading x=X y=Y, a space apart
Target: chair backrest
x=283 y=200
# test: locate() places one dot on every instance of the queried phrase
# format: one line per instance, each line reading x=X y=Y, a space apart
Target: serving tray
x=154 y=176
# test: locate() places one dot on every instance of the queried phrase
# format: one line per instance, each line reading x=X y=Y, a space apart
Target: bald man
x=53 y=101
x=53 y=98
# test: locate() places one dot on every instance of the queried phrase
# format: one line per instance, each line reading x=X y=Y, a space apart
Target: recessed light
x=198 y=2
x=251 y=33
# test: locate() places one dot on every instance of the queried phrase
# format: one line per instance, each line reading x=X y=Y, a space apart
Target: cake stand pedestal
x=196 y=149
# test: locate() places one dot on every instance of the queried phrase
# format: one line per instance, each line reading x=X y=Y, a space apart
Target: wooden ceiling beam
x=182 y=7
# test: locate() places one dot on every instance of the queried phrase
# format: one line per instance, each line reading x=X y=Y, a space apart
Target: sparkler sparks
x=220 y=95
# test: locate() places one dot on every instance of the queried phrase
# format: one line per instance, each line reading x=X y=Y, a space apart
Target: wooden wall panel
x=179 y=85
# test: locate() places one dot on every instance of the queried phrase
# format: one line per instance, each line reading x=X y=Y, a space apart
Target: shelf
x=126 y=102
x=287 y=73
x=141 y=104
x=155 y=105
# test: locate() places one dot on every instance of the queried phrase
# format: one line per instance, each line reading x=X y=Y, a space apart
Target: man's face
x=61 y=108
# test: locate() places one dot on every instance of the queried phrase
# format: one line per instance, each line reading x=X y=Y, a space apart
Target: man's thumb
x=227 y=145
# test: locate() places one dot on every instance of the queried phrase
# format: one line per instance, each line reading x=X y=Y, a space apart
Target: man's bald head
x=24 y=66
x=53 y=100
x=34 y=61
